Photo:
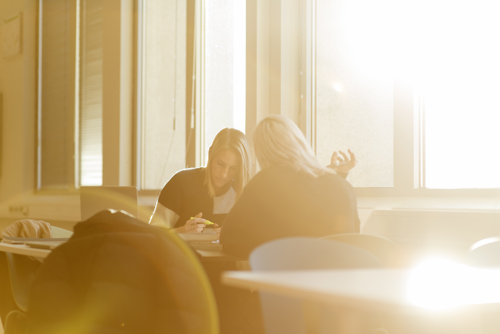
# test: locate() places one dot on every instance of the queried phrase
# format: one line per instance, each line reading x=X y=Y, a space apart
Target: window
x=91 y=90
x=84 y=125
x=355 y=87
x=369 y=55
x=224 y=68
x=215 y=94
x=163 y=90
x=459 y=75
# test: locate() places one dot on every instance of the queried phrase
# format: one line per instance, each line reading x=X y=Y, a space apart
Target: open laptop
x=97 y=198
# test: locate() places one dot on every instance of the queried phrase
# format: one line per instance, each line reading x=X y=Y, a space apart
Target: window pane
x=164 y=91
x=355 y=87
x=461 y=80
x=225 y=48
x=91 y=93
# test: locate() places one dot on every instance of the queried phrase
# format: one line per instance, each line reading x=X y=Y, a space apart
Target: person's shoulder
x=335 y=179
x=186 y=172
x=187 y=175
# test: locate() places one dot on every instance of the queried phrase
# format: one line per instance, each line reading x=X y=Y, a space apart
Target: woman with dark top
x=207 y=192
x=292 y=195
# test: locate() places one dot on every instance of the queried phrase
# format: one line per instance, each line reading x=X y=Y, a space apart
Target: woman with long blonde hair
x=193 y=196
x=292 y=194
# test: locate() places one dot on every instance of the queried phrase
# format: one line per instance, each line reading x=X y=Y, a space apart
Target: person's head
x=228 y=161
x=279 y=142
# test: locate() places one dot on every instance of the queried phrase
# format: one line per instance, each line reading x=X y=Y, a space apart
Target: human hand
x=195 y=225
x=343 y=163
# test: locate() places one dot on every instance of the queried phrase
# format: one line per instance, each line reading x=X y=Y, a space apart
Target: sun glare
x=440 y=284
x=448 y=50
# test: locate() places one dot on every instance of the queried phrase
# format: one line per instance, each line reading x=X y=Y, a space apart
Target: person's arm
x=163 y=216
x=169 y=202
x=342 y=163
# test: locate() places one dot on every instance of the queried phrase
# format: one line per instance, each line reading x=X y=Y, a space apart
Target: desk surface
x=24 y=250
x=207 y=251
x=380 y=290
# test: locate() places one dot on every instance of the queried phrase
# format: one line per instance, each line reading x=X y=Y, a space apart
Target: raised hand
x=342 y=162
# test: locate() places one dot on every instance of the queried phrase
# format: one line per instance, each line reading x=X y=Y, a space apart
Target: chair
x=283 y=314
x=22 y=271
x=384 y=249
x=484 y=253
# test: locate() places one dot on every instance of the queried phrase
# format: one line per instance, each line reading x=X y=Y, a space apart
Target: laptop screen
x=95 y=199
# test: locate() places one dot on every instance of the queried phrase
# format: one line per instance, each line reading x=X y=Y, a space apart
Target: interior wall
x=18 y=88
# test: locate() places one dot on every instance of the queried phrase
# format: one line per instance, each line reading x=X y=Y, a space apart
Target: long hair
x=235 y=141
x=279 y=142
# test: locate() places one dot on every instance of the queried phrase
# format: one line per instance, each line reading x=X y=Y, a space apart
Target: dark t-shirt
x=279 y=202
x=187 y=195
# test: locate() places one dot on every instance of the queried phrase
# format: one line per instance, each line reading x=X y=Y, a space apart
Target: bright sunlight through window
x=457 y=56
x=448 y=50
x=439 y=284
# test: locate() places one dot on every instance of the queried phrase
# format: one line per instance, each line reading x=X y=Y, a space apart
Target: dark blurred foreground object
x=119 y=275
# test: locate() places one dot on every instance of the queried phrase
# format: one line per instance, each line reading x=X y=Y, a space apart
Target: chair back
x=304 y=253
x=284 y=314
x=484 y=253
x=22 y=272
x=386 y=251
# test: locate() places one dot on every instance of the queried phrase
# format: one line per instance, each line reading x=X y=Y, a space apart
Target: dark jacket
x=119 y=275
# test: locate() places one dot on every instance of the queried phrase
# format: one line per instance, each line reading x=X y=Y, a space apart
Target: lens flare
x=441 y=284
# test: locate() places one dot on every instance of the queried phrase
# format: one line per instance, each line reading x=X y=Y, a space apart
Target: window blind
x=91 y=52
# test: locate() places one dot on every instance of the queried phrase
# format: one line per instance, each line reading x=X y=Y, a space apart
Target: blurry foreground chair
x=385 y=250
x=119 y=275
x=21 y=271
x=285 y=315
x=486 y=253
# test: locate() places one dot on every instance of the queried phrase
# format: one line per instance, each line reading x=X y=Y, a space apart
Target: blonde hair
x=236 y=141
x=279 y=142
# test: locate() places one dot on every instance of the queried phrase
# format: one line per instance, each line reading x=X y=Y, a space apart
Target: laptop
x=97 y=198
